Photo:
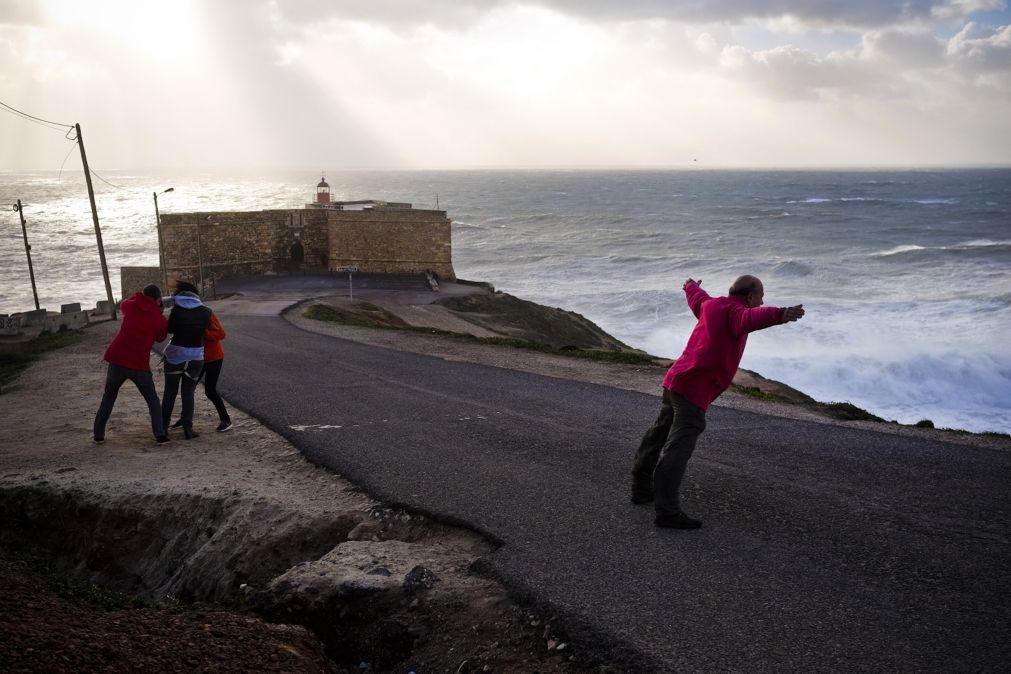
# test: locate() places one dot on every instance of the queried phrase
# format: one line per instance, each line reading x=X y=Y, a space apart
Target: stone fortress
x=373 y=237
x=369 y=237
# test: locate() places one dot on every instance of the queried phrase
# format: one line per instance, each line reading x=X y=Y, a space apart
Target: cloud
x=851 y=13
x=865 y=14
x=889 y=64
x=790 y=72
x=982 y=52
x=907 y=49
x=21 y=13
x=335 y=84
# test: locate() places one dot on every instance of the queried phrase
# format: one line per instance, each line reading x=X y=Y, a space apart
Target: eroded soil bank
x=239 y=520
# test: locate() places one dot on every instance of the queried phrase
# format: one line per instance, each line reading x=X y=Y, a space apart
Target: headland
x=242 y=519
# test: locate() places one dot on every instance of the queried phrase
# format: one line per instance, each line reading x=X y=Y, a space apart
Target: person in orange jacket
x=214 y=358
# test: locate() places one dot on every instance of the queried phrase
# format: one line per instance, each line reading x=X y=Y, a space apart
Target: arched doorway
x=296 y=256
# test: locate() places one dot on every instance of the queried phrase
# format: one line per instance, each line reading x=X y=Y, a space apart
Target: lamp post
x=161 y=246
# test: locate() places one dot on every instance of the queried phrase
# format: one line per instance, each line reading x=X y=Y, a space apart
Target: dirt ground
x=47 y=627
x=463 y=623
x=460 y=622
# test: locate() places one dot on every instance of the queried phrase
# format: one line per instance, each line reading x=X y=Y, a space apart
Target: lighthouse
x=322 y=191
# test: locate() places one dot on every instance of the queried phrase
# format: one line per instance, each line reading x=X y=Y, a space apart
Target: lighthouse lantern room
x=322 y=191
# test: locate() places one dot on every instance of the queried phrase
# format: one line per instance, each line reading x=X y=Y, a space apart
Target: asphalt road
x=824 y=549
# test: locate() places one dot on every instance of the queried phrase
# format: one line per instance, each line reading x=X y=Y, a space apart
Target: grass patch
x=381 y=319
x=983 y=434
x=11 y=366
x=844 y=411
x=610 y=356
x=80 y=593
x=759 y=394
x=325 y=312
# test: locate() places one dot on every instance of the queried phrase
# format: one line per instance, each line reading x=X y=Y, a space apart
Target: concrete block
x=72 y=308
x=10 y=325
x=37 y=317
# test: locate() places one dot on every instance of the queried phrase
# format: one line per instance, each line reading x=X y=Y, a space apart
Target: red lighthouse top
x=322 y=191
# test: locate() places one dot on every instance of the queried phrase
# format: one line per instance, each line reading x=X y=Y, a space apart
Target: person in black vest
x=184 y=355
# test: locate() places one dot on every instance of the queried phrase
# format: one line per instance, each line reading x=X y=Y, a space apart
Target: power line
x=106 y=181
x=56 y=126
x=59 y=176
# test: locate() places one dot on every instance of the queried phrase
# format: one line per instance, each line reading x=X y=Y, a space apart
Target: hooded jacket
x=714 y=351
x=143 y=325
x=187 y=322
x=212 y=341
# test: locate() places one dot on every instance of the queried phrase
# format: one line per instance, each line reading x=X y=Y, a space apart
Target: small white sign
x=350 y=269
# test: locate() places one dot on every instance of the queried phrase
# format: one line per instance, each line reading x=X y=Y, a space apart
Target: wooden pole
x=28 y=252
x=161 y=246
x=200 y=261
x=98 y=229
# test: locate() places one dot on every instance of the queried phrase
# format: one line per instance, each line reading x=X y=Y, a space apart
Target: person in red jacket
x=214 y=358
x=702 y=372
x=129 y=358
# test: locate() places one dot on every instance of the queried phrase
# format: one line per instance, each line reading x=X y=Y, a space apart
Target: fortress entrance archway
x=296 y=255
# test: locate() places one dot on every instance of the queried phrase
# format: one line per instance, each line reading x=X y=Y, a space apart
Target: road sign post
x=351 y=285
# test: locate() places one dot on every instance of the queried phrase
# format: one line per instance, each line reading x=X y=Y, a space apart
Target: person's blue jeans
x=663 y=454
x=184 y=375
x=115 y=377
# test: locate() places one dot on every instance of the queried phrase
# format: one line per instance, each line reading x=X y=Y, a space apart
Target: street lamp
x=161 y=246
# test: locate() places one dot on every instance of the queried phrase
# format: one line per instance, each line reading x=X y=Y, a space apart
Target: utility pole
x=98 y=230
x=28 y=252
x=200 y=260
x=161 y=245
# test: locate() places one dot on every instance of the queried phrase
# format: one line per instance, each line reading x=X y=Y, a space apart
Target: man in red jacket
x=704 y=371
x=129 y=357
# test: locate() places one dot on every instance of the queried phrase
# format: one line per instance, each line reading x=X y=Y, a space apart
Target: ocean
x=905 y=275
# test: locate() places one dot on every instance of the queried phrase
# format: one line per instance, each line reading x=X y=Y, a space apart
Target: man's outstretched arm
x=695 y=295
x=745 y=320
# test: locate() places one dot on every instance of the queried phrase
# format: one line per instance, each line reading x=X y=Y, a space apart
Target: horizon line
x=559 y=168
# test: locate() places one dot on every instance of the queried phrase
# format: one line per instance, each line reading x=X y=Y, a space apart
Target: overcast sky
x=334 y=84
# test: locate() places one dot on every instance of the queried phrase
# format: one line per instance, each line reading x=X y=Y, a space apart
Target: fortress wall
x=392 y=241
x=134 y=279
x=203 y=247
x=250 y=243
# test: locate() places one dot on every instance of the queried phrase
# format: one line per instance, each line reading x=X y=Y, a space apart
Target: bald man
x=704 y=371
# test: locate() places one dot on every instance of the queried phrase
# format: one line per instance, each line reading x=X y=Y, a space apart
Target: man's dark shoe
x=177 y=424
x=678 y=521
x=224 y=426
x=190 y=434
x=641 y=497
x=99 y=441
x=162 y=438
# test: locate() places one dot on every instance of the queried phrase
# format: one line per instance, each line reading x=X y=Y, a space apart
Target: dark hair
x=744 y=289
x=185 y=287
x=153 y=291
